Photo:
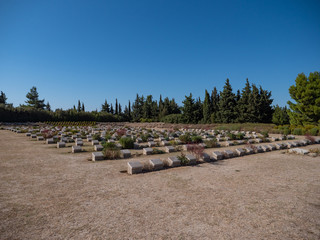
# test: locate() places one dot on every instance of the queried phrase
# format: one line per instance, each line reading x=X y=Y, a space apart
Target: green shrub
x=231 y=136
x=183 y=159
x=240 y=136
x=211 y=143
x=297 y=131
x=96 y=137
x=185 y=138
x=126 y=142
x=110 y=150
x=265 y=134
x=314 y=131
x=196 y=139
x=157 y=151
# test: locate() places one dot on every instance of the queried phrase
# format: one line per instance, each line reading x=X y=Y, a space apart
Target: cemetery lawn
x=48 y=193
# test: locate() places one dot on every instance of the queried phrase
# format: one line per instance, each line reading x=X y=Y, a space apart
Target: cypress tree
x=214 y=106
x=3 y=98
x=207 y=108
x=227 y=104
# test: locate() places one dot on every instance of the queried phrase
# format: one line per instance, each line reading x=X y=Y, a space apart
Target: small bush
x=196 y=139
x=157 y=151
x=240 y=136
x=265 y=134
x=231 y=136
x=211 y=143
x=96 y=137
x=297 y=131
x=185 y=138
x=314 y=131
x=183 y=159
x=110 y=150
x=126 y=142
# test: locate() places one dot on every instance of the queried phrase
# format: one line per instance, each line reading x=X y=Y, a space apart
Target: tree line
x=250 y=105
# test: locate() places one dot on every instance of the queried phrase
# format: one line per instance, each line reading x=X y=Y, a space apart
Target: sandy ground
x=48 y=193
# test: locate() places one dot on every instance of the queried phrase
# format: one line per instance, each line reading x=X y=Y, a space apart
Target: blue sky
x=96 y=50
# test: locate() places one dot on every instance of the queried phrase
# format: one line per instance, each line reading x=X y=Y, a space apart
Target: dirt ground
x=48 y=193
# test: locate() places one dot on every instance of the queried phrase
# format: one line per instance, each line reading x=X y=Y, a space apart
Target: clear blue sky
x=96 y=50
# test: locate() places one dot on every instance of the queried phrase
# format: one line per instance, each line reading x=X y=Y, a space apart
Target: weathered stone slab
x=97 y=156
x=156 y=164
x=217 y=155
x=192 y=159
x=79 y=143
x=173 y=162
x=228 y=153
x=299 y=151
x=249 y=150
x=76 y=149
x=134 y=167
x=169 y=149
x=94 y=142
x=240 y=152
x=165 y=143
x=40 y=138
x=205 y=157
x=50 y=141
x=125 y=153
x=265 y=148
x=147 y=151
x=61 y=144
x=151 y=144
x=98 y=147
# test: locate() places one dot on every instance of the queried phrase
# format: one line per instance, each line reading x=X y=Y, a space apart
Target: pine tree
x=265 y=111
x=137 y=108
x=48 y=107
x=147 y=107
x=280 y=116
x=254 y=107
x=33 y=99
x=227 y=104
x=105 y=107
x=215 y=106
x=3 y=98
x=306 y=94
x=129 y=110
x=207 y=108
x=188 y=109
x=243 y=103
x=82 y=108
x=198 y=111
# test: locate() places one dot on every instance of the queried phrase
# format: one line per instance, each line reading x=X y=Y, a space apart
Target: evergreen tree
x=117 y=107
x=33 y=99
x=137 y=108
x=48 y=107
x=129 y=110
x=198 y=111
x=207 y=108
x=147 y=107
x=188 y=109
x=243 y=104
x=215 y=106
x=120 y=108
x=227 y=104
x=3 y=98
x=254 y=107
x=79 y=106
x=82 y=108
x=160 y=104
x=265 y=111
x=174 y=107
x=280 y=116
x=306 y=94
x=105 y=107
x=111 y=109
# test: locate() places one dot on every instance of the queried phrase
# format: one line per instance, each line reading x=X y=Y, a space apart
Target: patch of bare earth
x=48 y=193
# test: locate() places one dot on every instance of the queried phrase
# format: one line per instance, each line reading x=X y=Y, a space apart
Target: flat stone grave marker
x=76 y=149
x=61 y=144
x=156 y=164
x=125 y=153
x=97 y=156
x=147 y=151
x=217 y=155
x=151 y=144
x=173 y=162
x=134 y=167
x=228 y=153
x=50 y=141
x=192 y=159
x=98 y=147
x=205 y=157
x=169 y=149
x=94 y=142
x=240 y=152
